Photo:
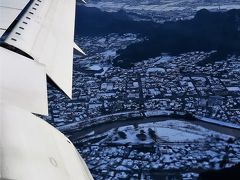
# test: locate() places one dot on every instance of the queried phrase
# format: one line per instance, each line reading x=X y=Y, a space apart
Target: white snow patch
x=152 y=70
x=95 y=67
x=169 y=131
x=234 y=89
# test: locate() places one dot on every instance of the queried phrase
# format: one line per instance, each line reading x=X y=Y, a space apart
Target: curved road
x=101 y=128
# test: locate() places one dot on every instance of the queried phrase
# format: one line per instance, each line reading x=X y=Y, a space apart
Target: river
x=101 y=128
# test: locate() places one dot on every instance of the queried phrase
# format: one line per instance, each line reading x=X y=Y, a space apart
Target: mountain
x=207 y=31
x=92 y=21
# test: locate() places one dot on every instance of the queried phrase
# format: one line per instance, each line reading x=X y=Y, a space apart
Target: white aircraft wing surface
x=37 y=44
x=46 y=33
x=9 y=10
x=23 y=82
x=31 y=149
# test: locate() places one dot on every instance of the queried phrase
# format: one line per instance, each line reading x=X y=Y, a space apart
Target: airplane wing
x=23 y=82
x=46 y=33
x=39 y=43
x=9 y=10
x=33 y=150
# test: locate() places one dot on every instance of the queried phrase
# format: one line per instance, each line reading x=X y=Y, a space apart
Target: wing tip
x=76 y=47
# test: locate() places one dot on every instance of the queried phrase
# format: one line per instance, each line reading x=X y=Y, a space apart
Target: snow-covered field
x=163 y=6
x=177 y=146
x=225 y=7
x=167 y=131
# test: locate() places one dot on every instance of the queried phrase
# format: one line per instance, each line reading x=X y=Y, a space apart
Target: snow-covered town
x=161 y=11
x=163 y=86
x=163 y=149
x=173 y=84
x=173 y=116
x=120 y=89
